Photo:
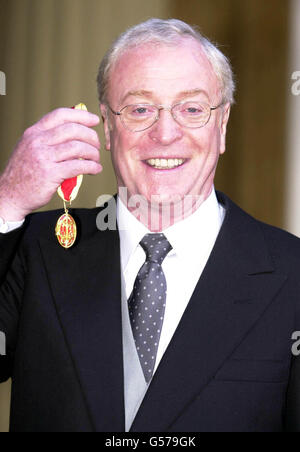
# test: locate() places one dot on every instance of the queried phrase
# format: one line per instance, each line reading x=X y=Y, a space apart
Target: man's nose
x=165 y=130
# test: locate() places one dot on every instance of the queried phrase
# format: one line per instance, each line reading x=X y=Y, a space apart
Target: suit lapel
x=236 y=287
x=85 y=283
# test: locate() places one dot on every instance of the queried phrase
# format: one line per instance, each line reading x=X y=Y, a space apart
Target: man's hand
x=59 y=146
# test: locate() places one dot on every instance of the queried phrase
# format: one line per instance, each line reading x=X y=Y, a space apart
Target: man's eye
x=191 y=109
x=194 y=110
x=141 y=110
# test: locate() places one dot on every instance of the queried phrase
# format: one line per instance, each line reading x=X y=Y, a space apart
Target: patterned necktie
x=148 y=300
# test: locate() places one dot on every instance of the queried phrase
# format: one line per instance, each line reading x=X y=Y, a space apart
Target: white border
x=292 y=195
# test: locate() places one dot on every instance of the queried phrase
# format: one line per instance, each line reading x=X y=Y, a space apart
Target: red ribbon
x=68 y=186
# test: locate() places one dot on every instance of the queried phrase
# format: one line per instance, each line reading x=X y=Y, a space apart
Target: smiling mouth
x=165 y=164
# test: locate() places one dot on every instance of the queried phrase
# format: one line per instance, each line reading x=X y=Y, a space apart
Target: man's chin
x=165 y=199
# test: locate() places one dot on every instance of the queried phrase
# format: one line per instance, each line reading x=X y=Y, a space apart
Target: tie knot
x=156 y=247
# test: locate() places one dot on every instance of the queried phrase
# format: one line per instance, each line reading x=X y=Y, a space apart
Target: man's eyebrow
x=138 y=93
x=192 y=92
x=182 y=94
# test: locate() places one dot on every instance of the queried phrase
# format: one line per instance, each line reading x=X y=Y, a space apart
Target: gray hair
x=166 y=32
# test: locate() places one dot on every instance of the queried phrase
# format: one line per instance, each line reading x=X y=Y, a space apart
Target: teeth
x=165 y=163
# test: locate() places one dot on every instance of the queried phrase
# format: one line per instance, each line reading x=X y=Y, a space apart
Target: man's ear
x=104 y=114
x=223 y=127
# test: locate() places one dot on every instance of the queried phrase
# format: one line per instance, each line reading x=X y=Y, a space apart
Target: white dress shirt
x=8 y=226
x=192 y=241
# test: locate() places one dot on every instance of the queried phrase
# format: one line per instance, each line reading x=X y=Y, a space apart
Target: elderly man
x=180 y=319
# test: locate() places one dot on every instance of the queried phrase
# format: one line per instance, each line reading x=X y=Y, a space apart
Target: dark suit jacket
x=229 y=366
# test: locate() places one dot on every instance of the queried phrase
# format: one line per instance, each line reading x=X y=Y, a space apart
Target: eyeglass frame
x=160 y=108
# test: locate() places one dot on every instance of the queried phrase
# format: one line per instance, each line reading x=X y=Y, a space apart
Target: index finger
x=62 y=116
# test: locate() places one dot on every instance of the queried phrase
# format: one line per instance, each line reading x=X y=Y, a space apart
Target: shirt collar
x=197 y=233
x=191 y=235
x=131 y=232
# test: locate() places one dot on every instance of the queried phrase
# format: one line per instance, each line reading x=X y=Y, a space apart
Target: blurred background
x=50 y=51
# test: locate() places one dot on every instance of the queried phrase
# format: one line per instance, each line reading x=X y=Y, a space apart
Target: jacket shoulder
x=280 y=243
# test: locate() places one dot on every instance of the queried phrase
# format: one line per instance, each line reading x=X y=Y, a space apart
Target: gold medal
x=66 y=229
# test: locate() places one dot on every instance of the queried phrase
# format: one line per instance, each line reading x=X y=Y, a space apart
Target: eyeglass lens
x=140 y=117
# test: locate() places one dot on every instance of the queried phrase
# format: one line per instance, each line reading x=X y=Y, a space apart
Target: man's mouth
x=165 y=164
